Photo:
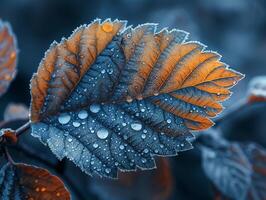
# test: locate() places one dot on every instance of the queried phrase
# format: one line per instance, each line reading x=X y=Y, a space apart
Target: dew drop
x=64 y=118
x=136 y=126
x=146 y=150
x=95 y=145
x=69 y=139
x=103 y=71
x=76 y=124
x=121 y=147
x=94 y=108
x=83 y=114
x=143 y=160
x=124 y=124
x=102 y=133
x=169 y=121
x=143 y=136
x=107 y=170
x=129 y=99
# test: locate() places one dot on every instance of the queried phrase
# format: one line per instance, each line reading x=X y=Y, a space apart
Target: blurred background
x=234 y=28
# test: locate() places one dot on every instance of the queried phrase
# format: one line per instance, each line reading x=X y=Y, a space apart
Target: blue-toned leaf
x=8 y=56
x=111 y=97
x=25 y=182
x=237 y=170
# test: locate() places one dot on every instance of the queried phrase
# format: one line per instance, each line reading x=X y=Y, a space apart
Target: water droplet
x=124 y=124
x=94 y=108
x=146 y=150
x=83 y=114
x=129 y=99
x=102 y=133
x=121 y=147
x=64 y=118
x=69 y=139
x=107 y=27
x=169 y=121
x=103 y=71
x=76 y=124
x=142 y=110
x=156 y=94
x=143 y=160
x=95 y=145
x=136 y=126
x=107 y=170
x=143 y=136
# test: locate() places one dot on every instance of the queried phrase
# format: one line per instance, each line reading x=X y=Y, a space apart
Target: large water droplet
x=102 y=133
x=64 y=118
x=83 y=114
x=94 y=108
x=136 y=126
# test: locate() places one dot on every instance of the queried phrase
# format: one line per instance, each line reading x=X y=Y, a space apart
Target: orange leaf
x=132 y=92
x=25 y=182
x=8 y=56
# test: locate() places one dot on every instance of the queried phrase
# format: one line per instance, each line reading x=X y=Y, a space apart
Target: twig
x=22 y=129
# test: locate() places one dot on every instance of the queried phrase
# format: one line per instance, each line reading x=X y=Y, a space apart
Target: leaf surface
x=8 y=56
x=111 y=97
x=237 y=170
x=25 y=182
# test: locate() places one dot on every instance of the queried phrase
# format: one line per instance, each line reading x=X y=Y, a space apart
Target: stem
x=22 y=129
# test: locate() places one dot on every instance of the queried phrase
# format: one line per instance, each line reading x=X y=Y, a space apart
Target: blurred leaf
x=15 y=111
x=237 y=170
x=25 y=182
x=111 y=97
x=8 y=56
x=257 y=89
x=154 y=185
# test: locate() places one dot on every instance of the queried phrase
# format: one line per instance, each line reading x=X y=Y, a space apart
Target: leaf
x=110 y=97
x=154 y=184
x=8 y=56
x=237 y=170
x=25 y=182
x=257 y=89
x=15 y=111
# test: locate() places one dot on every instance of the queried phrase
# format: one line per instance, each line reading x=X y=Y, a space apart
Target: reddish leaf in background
x=237 y=170
x=15 y=111
x=257 y=89
x=8 y=56
x=111 y=97
x=142 y=185
x=25 y=182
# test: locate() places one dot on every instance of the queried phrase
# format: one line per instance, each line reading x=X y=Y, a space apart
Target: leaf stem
x=22 y=129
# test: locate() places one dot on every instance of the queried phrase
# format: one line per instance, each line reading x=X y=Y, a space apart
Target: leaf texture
x=237 y=170
x=25 y=182
x=8 y=56
x=110 y=97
